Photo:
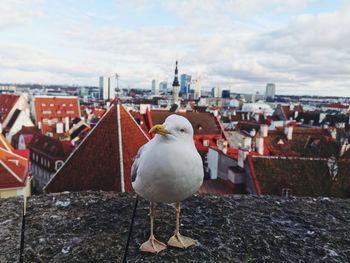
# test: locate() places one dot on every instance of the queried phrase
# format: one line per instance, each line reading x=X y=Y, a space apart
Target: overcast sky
x=301 y=45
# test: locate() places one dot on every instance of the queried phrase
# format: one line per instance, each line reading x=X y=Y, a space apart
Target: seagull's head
x=175 y=127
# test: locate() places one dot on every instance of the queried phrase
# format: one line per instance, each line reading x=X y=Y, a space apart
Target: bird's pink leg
x=178 y=240
x=152 y=245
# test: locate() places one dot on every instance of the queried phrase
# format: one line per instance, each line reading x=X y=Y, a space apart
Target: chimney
x=242 y=154
x=260 y=145
x=59 y=128
x=66 y=123
x=247 y=143
x=288 y=131
x=333 y=132
x=264 y=130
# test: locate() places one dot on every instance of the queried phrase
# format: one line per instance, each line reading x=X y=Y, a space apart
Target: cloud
x=17 y=12
x=228 y=43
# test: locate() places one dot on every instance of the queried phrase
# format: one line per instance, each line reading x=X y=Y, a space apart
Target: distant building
x=196 y=86
x=185 y=84
x=270 y=91
x=216 y=92
x=107 y=87
x=226 y=94
x=47 y=155
x=163 y=86
x=7 y=89
x=176 y=86
x=155 y=87
x=54 y=114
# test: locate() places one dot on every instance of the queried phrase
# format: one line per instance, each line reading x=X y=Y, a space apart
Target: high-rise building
x=216 y=92
x=155 y=87
x=185 y=82
x=107 y=88
x=226 y=94
x=196 y=86
x=163 y=86
x=176 y=85
x=270 y=91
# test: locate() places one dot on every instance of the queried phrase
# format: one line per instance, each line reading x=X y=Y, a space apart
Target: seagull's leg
x=152 y=244
x=178 y=240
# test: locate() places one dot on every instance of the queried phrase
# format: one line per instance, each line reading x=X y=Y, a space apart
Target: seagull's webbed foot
x=180 y=241
x=153 y=245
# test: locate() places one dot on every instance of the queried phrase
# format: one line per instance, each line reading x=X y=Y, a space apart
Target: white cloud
x=17 y=12
x=233 y=43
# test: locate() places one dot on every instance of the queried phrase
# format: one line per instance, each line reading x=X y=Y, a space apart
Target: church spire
x=176 y=78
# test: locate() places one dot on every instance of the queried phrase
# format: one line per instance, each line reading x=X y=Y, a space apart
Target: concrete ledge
x=94 y=226
x=77 y=227
x=11 y=211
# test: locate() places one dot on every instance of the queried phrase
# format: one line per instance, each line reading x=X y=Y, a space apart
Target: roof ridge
x=80 y=145
x=11 y=171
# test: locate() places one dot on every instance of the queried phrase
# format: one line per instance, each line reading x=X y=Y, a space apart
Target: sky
x=303 y=46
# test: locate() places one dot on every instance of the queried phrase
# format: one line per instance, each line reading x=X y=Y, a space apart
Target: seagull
x=168 y=169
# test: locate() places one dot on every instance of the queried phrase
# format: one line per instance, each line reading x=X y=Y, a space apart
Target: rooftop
x=94 y=226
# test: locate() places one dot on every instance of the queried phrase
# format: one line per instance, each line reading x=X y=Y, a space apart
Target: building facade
x=185 y=84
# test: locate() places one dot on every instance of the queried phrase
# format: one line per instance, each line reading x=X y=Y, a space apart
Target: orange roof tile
x=51 y=107
x=96 y=162
x=5 y=144
x=13 y=169
x=7 y=101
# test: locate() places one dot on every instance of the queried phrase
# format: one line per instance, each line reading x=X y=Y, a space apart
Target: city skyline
x=301 y=45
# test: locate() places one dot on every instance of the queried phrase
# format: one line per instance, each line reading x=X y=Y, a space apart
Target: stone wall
x=11 y=212
x=94 y=227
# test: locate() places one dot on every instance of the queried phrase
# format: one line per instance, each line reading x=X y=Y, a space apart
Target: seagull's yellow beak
x=160 y=129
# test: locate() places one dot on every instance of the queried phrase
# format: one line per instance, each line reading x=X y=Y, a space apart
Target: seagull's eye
x=182 y=130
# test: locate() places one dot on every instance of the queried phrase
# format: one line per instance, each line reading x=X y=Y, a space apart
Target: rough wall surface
x=11 y=210
x=77 y=227
x=251 y=229
x=94 y=226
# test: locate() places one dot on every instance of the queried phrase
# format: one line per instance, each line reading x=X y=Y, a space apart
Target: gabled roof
x=55 y=107
x=13 y=169
x=336 y=106
x=5 y=144
x=100 y=162
x=26 y=130
x=202 y=122
x=7 y=101
x=49 y=146
x=304 y=176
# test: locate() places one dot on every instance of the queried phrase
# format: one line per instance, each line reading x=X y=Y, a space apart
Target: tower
x=176 y=85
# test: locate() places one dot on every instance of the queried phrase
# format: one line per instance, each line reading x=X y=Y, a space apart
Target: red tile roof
x=24 y=131
x=5 y=144
x=7 y=101
x=50 y=147
x=13 y=169
x=336 y=106
x=202 y=122
x=96 y=162
x=51 y=107
x=305 y=177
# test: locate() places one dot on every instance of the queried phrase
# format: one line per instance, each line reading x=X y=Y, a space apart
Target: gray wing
x=136 y=162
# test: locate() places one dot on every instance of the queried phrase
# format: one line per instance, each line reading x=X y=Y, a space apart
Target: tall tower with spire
x=176 y=85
